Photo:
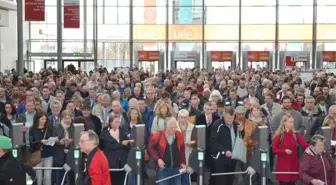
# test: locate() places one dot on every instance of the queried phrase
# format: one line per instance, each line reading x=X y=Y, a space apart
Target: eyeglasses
x=83 y=141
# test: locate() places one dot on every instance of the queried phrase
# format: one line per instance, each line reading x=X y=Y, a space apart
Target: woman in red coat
x=317 y=167
x=285 y=144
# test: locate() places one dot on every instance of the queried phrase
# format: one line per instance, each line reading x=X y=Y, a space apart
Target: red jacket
x=156 y=148
x=285 y=162
x=98 y=170
x=312 y=168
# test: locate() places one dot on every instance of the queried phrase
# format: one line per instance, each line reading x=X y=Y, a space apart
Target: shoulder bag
x=35 y=157
x=239 y=149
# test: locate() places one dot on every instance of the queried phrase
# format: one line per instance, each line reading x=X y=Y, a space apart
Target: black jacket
x=97 y=124
x=13 y=172
x=220 y=140
x=115 y=152
x=201 y=120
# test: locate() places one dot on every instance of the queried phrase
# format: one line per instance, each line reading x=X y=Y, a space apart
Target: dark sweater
x=171 y=156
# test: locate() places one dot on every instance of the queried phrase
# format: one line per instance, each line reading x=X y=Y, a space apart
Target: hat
x=180 y=96
x=5 y=143
x=185 y=104
x=86 y=106
x=240 y=110
x=221 y=103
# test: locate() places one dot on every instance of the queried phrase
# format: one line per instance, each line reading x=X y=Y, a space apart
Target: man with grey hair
x=97 y=168
x=168 y=150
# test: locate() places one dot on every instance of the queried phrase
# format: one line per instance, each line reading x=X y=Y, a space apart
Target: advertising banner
x=149 y=17
x=218 y=56
x=290 y=62
x=34 y=10
x=258 y=56
x=71 y=14
x=148 y=55
x=185 y=16
x=329 y=56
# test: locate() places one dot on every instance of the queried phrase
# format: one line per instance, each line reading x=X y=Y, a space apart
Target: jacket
x=45 y=104
x=220 y=140
x=249 y=128
x=315 y=166
x=276 y=109
x=157 y=148
x=285 y=162
x=115 y=152
x=187 y=138
x=13 y=172
x=298 y=122
x=97 y=172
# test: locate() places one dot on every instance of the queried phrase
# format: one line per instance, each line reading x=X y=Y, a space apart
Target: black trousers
x=286 y=183
x=117 y=178
x=224 y=168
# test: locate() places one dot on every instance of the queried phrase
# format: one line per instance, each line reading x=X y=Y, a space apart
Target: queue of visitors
x=231 y=104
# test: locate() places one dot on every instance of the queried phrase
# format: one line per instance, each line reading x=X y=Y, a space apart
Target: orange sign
x=179 y=32
x=221 y=56
x=152 y=32
x=148 y=55
x=329 y=56
x=258 y=56
x=150 y=17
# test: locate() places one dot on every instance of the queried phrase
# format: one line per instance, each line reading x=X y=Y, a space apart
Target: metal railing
x=120 y=170
x=285 y=173
x=50 y=168
x=250 y=171
x=173 y=176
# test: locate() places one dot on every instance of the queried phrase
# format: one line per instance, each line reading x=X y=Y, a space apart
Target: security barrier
x=250 y=171
x=173 y=176
x=51 y=168
x=120 y=170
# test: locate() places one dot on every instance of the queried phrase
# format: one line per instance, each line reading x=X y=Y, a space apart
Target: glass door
x=185 y=64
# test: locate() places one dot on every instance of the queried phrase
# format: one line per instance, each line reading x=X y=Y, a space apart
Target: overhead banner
x=34 y=10
x=71 y=14
x=258 y=56
x=220 y=56
x=148 y=55
x=329 y=56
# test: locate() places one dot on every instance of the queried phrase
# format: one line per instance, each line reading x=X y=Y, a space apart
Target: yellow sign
x=221 y=32
x=149 y=32
x=326 y=32
x=250 y=33
x=258 y=33
x=301 y=32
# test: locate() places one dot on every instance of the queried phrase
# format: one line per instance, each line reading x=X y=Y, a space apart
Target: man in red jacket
x=167 y=148
x=97 y=169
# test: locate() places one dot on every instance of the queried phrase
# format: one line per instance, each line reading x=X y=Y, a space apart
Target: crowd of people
x=231 y=104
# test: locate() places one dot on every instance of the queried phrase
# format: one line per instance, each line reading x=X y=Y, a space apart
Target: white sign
x=185 y=55
x=298 y=56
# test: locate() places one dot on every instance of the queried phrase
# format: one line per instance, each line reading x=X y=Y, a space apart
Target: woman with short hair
x=316 y=165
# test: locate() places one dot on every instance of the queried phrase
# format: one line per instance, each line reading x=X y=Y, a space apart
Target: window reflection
x=229 y=15
x=324 y=12
x=250 y=15
x=299 y=14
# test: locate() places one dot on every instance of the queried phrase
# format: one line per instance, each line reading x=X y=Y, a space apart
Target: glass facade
x=188 y=25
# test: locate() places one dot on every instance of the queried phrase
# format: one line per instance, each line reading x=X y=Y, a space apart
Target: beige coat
x=187 y=139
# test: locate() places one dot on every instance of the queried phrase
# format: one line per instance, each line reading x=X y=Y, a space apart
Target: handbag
x=239 y=149
x=35 y=157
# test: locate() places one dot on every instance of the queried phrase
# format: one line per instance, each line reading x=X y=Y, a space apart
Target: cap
x=86 y=106
x=180 y=96
x=221 y=103
x=185 y=104
x=240 y=110
x=5 y=143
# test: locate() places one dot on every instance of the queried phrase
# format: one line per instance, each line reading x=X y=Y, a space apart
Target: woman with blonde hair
x=163 y=112
x=330 y=121
x=285 y=143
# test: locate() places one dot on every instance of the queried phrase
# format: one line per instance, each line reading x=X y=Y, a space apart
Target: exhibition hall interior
x=168 y=34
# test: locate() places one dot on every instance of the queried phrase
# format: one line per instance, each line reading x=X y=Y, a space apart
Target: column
x=276 y=56
x=239 y=35
x=59 y=36
x=131 y=33
x=314 y=34
x=20 y=63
